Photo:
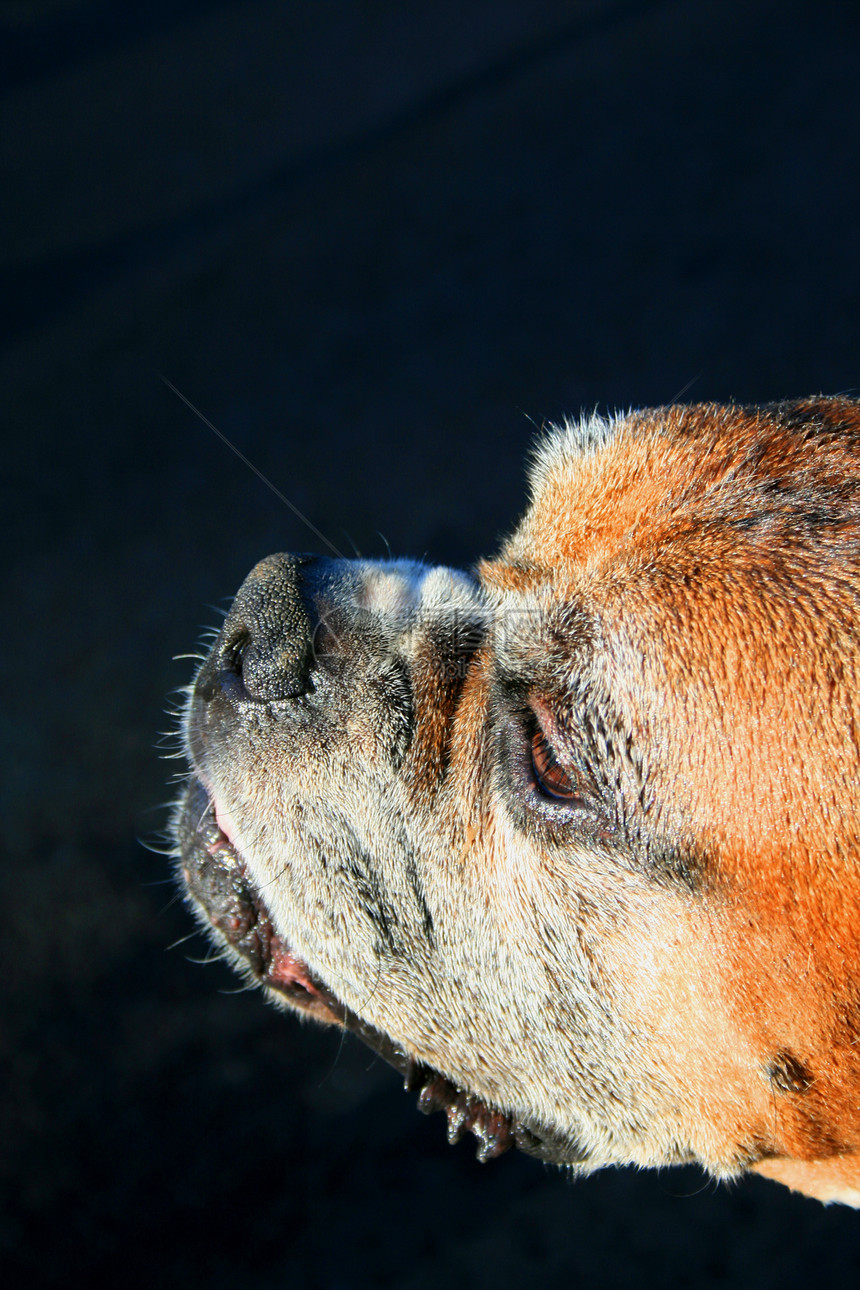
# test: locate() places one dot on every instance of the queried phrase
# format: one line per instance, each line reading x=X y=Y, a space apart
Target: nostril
x=224 y=673
x=235 y=650
x=264 y=652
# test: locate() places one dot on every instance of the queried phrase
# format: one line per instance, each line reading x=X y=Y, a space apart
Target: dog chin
x=228 y=903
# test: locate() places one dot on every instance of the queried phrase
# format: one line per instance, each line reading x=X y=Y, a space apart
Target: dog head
x=573 y=840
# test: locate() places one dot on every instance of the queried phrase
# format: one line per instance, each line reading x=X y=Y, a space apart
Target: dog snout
x=264 y=652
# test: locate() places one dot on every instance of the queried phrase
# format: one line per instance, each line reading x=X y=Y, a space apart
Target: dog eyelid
x=550 y=776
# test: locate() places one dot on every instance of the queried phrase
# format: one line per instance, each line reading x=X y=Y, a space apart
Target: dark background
x=373 y=242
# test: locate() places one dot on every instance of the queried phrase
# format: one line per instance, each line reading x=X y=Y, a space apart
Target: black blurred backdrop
x=373 y=242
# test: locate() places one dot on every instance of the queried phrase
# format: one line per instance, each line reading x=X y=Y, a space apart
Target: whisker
x=286 y=501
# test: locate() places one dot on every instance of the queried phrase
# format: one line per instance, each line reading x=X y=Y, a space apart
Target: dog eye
x=551 y=778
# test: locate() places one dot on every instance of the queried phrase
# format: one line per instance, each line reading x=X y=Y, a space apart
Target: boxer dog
x=573 y=840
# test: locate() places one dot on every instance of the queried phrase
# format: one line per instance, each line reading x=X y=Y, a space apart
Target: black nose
x=264 y=650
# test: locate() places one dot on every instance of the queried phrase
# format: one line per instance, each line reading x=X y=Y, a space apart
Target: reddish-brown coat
x=718 y=551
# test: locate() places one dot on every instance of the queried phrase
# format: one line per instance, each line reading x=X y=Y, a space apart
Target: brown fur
x=670 y=973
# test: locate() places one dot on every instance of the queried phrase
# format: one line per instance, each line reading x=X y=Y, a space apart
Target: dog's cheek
x=698 y=1063
x=790 y=988
x=750 y=1040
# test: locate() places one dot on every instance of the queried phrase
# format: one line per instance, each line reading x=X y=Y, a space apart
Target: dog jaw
x=656 y=965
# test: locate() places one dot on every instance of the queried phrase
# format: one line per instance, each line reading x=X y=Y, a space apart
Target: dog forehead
x=671 y=486
x=595 y=487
